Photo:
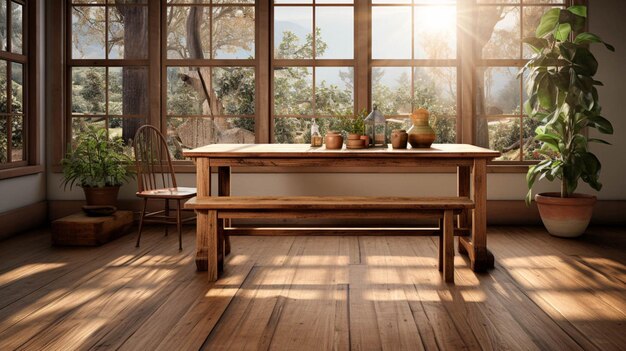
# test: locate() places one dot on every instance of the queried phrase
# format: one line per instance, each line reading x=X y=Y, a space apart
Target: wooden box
x=80 y=230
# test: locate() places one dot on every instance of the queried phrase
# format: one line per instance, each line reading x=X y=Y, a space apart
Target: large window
x=500 y=121
x=108 y=67
x=245 y=71
x=313 y=66
x=14 y=111
x=209 y=75
x=414 y=62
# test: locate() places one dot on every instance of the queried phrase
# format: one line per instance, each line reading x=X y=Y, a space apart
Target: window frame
x=209 y=62
x=312 y=62
x=30 y=163
x=105 y=63
x=487 y=63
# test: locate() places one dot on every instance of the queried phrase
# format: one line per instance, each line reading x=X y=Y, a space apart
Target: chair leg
x=179 y=226
x=167 y=215
x=143 y=213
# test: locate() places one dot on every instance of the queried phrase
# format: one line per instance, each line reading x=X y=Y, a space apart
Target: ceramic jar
x=334 y=141
x=399 y=138
x=421 y=135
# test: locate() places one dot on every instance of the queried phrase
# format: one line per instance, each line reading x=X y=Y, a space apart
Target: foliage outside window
x=312 y=67
x=414 y=62
x=109 y=67
x=13 y=92
x=500 y=120
x=210 y=73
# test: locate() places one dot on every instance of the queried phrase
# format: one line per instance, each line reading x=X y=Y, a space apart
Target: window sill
x=20 y=171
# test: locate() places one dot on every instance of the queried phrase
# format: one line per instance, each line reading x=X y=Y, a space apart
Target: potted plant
x=354 y=127
x=98 y=165
x=562 y=96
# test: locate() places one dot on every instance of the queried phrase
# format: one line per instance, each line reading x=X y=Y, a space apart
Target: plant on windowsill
x=563 y=97
x=98 y=165
x=354 y=127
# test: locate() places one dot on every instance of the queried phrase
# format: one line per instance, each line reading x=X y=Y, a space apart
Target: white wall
x=605 y=19
x=27 y=190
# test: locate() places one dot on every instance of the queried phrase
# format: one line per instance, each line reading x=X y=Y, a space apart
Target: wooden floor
x=315 y=293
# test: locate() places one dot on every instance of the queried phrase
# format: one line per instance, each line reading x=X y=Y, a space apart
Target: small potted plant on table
x=354 y=127
x=563 y=97
x=98 y=165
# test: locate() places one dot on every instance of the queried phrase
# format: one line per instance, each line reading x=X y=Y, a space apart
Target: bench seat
x=219 y=208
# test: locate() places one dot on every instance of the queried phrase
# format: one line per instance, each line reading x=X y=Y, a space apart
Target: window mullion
x=467 y=61
x=362 y=49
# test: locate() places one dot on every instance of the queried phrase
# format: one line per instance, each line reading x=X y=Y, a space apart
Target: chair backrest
x=153 y=160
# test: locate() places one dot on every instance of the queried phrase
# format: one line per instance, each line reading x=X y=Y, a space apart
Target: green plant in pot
x=564 y=99
x=98 y=165
x=354 y=127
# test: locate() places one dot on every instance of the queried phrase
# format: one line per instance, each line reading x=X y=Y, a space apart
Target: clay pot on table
x=399 y=138
x=334 y=141
x=421 y=135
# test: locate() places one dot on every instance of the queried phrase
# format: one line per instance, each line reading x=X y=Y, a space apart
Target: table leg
x=481 y=259
x=203 y=176
x=223 y=189
x=202 y=240
x=213 y=245
x=463 y=190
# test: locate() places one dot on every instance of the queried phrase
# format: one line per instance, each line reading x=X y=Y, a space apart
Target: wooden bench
x=230 y=207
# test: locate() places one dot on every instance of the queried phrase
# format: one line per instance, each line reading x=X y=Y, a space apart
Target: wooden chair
x=156 y=180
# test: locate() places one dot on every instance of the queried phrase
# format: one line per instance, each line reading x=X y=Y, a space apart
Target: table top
x=306 y=151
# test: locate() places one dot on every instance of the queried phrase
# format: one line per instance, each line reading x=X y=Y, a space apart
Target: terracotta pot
x=565 y=217
x=334 y=141
x=106 y=196
x=354 y=136
x=355 y=143
x=421 y=135
x=399 y=138
x=366 y=140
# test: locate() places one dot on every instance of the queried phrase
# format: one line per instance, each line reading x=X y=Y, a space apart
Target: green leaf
x=586 y=38
x=562 y=31
x=578 y=10
x=604 y=125
x=548 y=23
x=585 y=62
x=599 y=141
x=537 y=44
x=545 y=93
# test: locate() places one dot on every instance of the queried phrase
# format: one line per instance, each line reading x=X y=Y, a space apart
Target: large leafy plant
x=96 y=161
x=564 y=99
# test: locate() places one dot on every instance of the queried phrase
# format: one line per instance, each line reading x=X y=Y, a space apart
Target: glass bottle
x=316 y=137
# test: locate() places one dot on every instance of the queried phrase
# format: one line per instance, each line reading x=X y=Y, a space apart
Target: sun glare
x=435 y=18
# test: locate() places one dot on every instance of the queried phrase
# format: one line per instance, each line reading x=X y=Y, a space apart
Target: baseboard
x=23 y=219
x=499 y=212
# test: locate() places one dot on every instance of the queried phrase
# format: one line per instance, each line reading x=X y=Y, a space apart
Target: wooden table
x=470 y=162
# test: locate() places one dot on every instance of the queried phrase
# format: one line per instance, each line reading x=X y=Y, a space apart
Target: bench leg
x=440 y=263
x=448 y=246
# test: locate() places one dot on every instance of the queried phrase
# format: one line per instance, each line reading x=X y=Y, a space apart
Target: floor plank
x=317 y=293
